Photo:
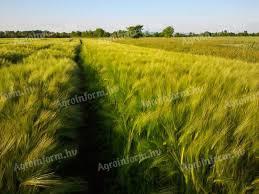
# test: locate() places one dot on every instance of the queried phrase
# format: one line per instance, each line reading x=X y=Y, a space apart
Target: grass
x=188 y=128
x=191 y=99
x=242 y=48
x=12 y=52
x=32 y=123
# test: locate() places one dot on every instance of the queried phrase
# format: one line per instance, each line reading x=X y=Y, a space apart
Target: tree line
x=131 y=32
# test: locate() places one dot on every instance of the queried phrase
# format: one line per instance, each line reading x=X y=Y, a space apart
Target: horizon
x=151 y=32
x=185 y=16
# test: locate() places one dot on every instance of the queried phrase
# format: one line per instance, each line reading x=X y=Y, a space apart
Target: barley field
x=159 y=115
x=242 y=48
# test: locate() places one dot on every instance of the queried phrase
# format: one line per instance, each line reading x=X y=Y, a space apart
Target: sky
x=184 y=15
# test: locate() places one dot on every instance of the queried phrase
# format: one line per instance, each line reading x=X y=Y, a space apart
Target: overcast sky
x=184 y=15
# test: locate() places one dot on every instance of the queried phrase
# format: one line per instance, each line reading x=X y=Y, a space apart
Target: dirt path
x=94 y=144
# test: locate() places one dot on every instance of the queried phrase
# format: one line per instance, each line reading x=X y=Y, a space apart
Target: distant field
x=185 y=110
x=242 y=48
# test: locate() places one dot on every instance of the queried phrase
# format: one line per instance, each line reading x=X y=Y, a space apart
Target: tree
x=119 y=34
x=89 y=33
x=168 y=32
x=135 y=31
x=132 y=31
x=147 y=34
x=107 y=34
x=207 y=33
x=156 y=34
x=76 y=34
x=99 y=32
